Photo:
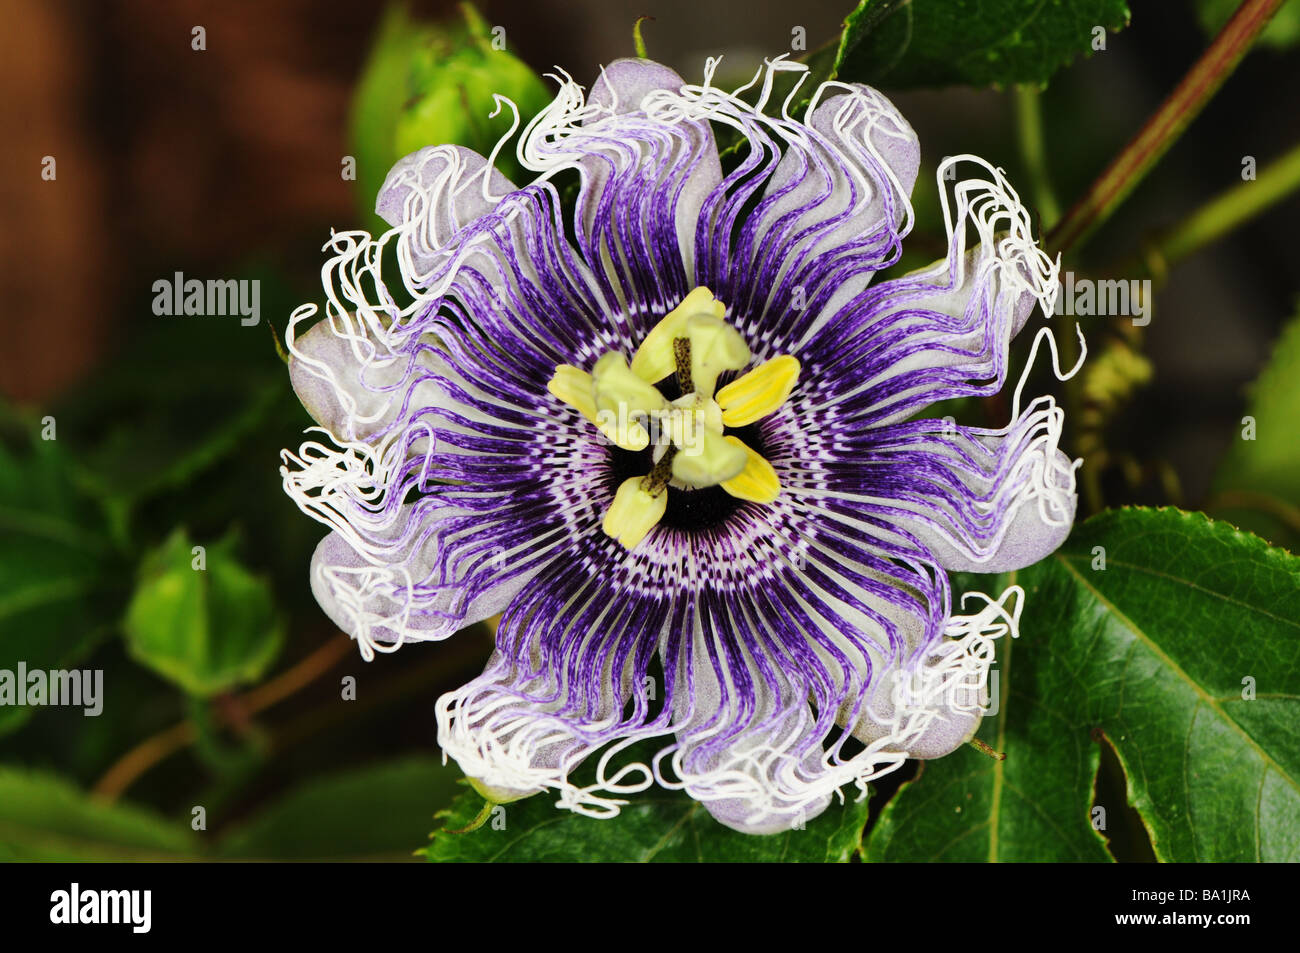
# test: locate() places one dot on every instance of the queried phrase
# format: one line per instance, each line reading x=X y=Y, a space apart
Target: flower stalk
x=1164 y=127
x=1029 y=131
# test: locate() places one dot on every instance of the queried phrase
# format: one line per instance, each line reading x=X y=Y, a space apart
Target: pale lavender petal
x=440 y=190
x=644 y=180
x=975 y=500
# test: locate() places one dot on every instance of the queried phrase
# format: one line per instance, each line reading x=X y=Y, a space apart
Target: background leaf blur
x=58 y=563
x=1258 y=482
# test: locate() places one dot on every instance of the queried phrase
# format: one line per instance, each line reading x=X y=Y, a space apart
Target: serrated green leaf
x=45 y=818
x=205 y=628
x=380 y=811
x=1161 y=651
x=906 y=43
x=656 y=827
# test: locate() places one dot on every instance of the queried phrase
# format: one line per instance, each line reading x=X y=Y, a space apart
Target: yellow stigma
x=655 y=359
x=710 y=461
x=691 y=448
x=623 y=401
x=715 y=346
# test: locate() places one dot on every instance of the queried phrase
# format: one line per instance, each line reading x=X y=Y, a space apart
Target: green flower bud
x=200 y=619
x=433 y=84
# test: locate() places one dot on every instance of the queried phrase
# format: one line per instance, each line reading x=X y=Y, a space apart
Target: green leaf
x=58 y=570
x=907 y=43
x=1257 y=485
x=200 y=619
x=185 y=398
x=1184 y=652
x=377 y=812
x=45 y=818
x=655 y=827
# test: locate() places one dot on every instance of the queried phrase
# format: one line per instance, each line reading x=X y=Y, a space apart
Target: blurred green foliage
x=373 y=813
x=1257 y=485
x=173 y=443
x=44 y=818
x=60 y=568
x=200 y=619
x=378 y=812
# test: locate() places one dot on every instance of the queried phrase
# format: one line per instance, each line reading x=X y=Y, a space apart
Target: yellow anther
x=758 y=393
x=575 y=387
x=654 y=359
x=708 y=459
x=622 y=430
x=692 y=450
x=757 y=482
x=622 y=400
x=634 y=512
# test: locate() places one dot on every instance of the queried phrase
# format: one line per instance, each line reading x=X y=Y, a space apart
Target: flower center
x=691 y=448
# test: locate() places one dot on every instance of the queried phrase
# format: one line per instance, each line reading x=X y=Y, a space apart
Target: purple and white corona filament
x=677 y=440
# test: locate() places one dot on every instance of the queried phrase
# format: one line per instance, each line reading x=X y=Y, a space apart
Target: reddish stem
x=1165 y=125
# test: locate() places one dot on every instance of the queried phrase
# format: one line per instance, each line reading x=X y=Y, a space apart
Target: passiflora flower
x=675 y=438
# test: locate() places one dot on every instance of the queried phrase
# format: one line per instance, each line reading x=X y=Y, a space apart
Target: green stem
x=1029 y=130
x=1165 y=125
x=226 y=760
x=1222 y=214
x=637 y=40
x=479 y=819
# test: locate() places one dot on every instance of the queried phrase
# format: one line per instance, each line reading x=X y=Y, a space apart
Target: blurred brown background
x=169 y=157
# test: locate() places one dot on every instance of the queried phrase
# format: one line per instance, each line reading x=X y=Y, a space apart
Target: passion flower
x=677 y=442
